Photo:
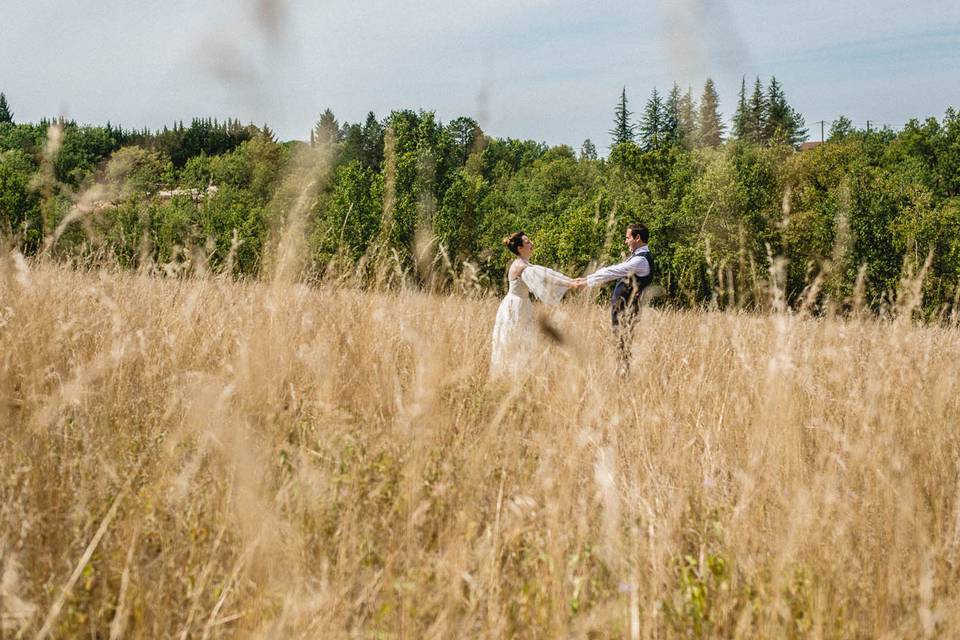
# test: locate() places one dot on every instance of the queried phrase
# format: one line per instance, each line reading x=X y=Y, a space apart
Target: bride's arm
x=548 y=285
x=557 y=278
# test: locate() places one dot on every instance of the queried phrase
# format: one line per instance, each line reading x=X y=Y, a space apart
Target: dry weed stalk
x=323 y=462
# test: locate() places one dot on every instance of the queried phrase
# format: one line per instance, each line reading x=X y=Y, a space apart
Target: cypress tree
x=623 y=130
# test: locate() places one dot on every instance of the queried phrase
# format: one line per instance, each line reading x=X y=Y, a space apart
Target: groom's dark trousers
x=625 y=307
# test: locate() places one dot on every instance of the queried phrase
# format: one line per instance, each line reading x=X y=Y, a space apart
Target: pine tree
x=688 y=119
x=741 y=119
x=783 y=125
x=798 y=130
x=652 y=123
x=623 y=130
x=711 y=127
x=672 y=132
x=757 y=122
x=776 y=128
x=327 y=129
x=6 y=116
x=588 y=151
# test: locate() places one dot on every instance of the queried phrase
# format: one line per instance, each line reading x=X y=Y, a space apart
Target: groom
x=633 y=275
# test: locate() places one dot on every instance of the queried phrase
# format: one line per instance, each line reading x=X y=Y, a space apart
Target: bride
x=514 y=335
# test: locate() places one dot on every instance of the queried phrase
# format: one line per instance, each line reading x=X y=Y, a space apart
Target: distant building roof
x=806 y=146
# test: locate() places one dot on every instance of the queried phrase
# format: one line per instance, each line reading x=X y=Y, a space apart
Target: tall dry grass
x=199 y=458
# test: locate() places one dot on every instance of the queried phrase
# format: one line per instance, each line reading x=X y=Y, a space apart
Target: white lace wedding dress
x=514 y=333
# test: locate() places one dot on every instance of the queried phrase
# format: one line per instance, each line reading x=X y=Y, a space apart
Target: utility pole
x=821 y=131
x=868 y=126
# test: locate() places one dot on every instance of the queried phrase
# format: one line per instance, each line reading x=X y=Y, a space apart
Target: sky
x=548 y=70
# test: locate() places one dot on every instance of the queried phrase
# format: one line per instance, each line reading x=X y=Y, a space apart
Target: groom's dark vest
x=625 y=303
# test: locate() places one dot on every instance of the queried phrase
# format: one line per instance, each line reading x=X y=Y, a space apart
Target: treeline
x=728 y=210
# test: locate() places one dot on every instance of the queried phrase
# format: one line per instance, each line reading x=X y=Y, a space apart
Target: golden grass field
x=200 y=458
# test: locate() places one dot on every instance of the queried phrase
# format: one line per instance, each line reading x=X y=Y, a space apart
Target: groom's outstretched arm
x=634 y=265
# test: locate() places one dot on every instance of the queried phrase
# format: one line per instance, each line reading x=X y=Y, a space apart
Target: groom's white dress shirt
x=636 y=264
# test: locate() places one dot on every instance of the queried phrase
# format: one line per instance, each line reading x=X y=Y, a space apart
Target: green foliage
x=82 y=152
x=741 y=118
x=588 y=151
x=719 y=213
x=653 y=124
x=698 y=582
x=19 y=202
x=757 y=114
x=326 y=131
x=6 y=116
x=783 y=124
x=28 y=138
x=255 y=166
x=623 y=129
x=688 y=120
x=349 y=218
x=138 y=172
x=840 y=129
x=457 y=222
x=710 y=122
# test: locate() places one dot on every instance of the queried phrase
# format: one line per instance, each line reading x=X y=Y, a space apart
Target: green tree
x=653 y=123
x=254 y=167
x=588 y=150
x=623 y=129
x=465 y=136
x=326 y=131
x=6 y=116
x=197 y=173
x=757 y=122
x=349 y=219
x=672 y=129
x=138 y=173
x=688 y=120
x=81 y=152
x=783 y=124
x=19 y=202
x=458 y=219
x=948 y=155
x=742 y=129
x=840 y=129
x=711 y=125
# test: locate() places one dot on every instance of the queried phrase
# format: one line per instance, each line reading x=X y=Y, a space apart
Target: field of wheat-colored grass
x=200 y=458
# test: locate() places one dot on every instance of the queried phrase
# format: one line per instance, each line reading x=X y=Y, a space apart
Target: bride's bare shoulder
x=516 y=269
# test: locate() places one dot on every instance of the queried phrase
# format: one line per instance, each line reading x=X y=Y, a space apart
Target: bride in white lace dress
x=514 y=333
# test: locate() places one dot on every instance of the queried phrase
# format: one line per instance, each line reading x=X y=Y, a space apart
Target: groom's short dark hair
x=639 y=230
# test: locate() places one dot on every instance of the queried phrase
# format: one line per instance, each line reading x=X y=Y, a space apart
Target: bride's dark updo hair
x=514 y=241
